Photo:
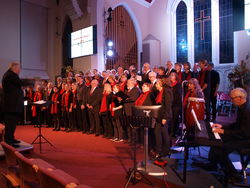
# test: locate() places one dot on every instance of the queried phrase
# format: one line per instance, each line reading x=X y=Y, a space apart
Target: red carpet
x=95 y=161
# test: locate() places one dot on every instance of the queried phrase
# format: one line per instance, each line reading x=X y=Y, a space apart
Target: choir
x=93 y=103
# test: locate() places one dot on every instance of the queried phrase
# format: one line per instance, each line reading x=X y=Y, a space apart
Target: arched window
x=181 y=32
x=202 y=30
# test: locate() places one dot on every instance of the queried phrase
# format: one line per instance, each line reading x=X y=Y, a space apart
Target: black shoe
x=68 y=130
x=97 y=134
x=206 y=166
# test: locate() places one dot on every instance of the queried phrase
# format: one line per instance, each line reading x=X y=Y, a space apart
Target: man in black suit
x=170 y=68
x=13 y=102
x=93 y=104
x=145 y=72
x=234 y=137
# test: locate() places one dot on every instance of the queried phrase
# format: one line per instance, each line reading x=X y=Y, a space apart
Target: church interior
x=74 y=42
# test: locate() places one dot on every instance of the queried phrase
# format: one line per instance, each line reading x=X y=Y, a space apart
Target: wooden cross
x=202 y=19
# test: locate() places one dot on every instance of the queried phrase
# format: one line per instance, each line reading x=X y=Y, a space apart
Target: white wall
x=34 y=41
x=241 y=45
x=9 y=33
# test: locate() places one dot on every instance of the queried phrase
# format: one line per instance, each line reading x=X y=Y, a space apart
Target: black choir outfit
x=215 y=80
x=93 y=99
x=116 y=114
x=67 y=103
x=204 y=78
x=56 y=110
x=133 y=94
x=176 y=109
x=164 y=98
x=13 y=103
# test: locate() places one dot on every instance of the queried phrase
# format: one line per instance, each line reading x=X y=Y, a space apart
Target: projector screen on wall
x=84 y=42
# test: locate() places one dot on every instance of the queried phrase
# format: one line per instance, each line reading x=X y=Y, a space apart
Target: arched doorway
x=120 y=30
x=66 y=43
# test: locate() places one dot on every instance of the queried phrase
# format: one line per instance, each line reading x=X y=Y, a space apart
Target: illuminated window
x=247 y=14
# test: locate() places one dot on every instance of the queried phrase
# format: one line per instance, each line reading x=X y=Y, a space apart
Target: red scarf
x=174 y=83
x=74 y=97
x=158 y=99
x=62 y=91
x=179 y=76
x=66 y=101
x=141 y=98
x=29 y=94
x=201 y=77
x=123 y=86
x=54 y=106
x=104 y=107
x=87 y=84
x=37 y=97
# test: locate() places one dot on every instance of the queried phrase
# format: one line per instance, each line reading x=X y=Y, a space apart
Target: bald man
x=234 y=137
x=13 y=102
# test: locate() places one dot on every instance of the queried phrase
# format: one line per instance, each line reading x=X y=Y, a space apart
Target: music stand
x=143 y=116
x=41 y=104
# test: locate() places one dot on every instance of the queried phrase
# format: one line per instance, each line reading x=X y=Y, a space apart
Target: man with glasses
x=234 y=137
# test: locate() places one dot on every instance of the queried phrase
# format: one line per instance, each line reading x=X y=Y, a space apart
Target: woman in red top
x=105 y=111
x=55 y=108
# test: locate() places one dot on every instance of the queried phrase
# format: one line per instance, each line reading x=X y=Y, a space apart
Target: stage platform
x=24 y=147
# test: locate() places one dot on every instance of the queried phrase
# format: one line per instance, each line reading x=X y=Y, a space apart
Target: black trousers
x=11 y=120
x=118 y=129
x=220 y=155
x=175 y=121
x=107 y=124
x=94 y=121
x=162 y=139
x=213 y=102
x=207 y=103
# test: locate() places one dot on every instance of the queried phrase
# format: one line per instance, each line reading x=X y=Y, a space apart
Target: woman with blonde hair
x=105 y=110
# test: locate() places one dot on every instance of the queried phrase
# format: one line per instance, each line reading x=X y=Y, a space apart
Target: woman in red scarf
x=176 y=105
x=178 y=67
x=123 y=82
x=146 y=97
x=55 y=108
x=73 y=113
x=116 y=112
x=164 y=98
x=67 y=105
x=111 y=80
x=105 y=111
x=36 y=111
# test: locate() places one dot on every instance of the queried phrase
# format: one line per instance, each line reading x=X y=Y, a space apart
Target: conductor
x=13 y=102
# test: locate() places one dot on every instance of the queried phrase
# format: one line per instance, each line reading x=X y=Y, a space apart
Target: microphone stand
x=183 y=133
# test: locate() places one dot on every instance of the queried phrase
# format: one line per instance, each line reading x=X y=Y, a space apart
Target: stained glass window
x=226 y=31
x=202 y=30
x=181 y=32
